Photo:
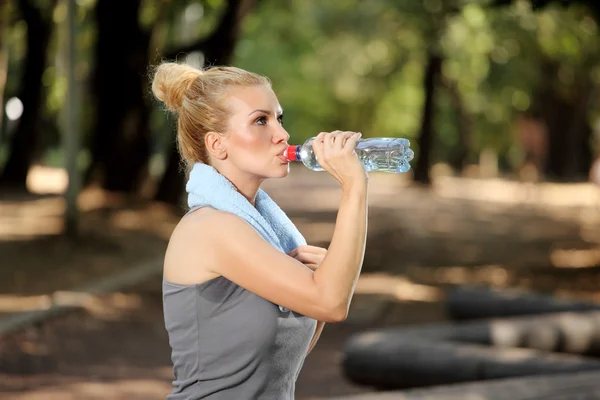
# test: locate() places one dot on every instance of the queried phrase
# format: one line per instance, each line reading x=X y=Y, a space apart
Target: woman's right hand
x=336 y=154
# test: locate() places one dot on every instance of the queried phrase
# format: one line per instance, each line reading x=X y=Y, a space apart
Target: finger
x=346 y=139
x=314 y=249
x=350 y=135
x=335 y=145
x=309 y=258
x=312 y=266
x=352 y=140
x=328 y=144
x=318 y=147
x=320 y=138
x=341 y=139
x=306 y=249
x=331 y=138
x=299 y=249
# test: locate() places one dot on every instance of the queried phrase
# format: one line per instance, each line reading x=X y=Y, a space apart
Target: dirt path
x=420 y=243
x=118 y=349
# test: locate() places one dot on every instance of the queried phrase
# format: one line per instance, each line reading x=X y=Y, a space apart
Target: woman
x=242 y=292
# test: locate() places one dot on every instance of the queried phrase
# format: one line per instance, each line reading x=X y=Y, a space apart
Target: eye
x=280 y=119
x=261 y=120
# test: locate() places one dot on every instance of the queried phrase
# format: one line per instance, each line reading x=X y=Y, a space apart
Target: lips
x=282 y=155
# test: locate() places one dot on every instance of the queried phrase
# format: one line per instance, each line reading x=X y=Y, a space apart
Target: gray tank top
x=230 y=344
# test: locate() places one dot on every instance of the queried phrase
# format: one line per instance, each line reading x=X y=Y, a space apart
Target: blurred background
x=499 y=99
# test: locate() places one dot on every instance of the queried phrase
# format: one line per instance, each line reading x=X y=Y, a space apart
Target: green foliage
x=359 y=65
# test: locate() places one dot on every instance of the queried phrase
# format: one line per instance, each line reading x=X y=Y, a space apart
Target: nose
x=281 y=135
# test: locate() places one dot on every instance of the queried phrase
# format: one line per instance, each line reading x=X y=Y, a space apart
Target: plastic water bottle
x=376 y=154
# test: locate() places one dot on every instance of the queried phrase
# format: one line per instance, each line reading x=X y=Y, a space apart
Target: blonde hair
x=197 y=97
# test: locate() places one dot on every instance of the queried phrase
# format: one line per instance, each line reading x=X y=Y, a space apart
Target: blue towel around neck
x=207 y=187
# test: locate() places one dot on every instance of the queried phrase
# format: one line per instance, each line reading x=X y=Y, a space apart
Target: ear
x=215 y=145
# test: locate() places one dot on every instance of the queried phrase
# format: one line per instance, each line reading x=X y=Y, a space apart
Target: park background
x=499 y=99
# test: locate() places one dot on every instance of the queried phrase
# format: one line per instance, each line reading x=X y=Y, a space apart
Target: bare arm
x=338 y=274
x=230 y=247
x=352 y=235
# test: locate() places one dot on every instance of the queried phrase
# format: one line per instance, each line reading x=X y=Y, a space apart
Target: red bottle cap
x=290 y=153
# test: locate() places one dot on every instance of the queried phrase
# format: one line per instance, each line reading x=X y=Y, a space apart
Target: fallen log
x=567 y=332
x=568 y=386
x=473 y=302
x=397 y=358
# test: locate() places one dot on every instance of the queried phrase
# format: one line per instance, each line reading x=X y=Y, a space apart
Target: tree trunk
x=465 y=127
x=172 y=184
x=569 y=152
x=23 y=146
x=425 y=140
x=120 y=138
x=218 y=49
x=5 y=8
x=579 y=154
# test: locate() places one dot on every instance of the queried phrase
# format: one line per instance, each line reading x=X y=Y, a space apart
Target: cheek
x=254 y=141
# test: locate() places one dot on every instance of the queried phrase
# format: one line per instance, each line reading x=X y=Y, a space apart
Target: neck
x=247 y=185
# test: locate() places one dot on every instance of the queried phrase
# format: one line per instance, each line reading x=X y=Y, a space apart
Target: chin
x=282 y=172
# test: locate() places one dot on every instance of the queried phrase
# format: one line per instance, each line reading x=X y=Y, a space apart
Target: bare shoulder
x=207 y=223
x=192 y=245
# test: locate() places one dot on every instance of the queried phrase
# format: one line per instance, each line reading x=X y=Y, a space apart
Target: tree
x=565 y=109
x=593 y=5
x=426 y=135
x=120 y=140
x=120 y=146
x=218 y=49
x=5 y=10
x=24 y=143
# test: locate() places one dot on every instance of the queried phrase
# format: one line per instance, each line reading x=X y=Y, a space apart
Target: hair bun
x=171 y=81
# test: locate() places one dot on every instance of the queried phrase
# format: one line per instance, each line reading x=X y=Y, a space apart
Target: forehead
x=249 y=98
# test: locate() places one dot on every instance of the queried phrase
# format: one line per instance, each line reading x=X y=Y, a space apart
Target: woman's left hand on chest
x=311 y=256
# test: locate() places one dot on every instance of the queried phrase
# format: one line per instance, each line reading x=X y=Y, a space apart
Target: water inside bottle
x=376 y=154
x=385 y=154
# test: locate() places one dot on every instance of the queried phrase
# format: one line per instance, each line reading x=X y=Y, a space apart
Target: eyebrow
x=264 y=111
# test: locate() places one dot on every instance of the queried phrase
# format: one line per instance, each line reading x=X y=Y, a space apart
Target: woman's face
x=256 y=141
